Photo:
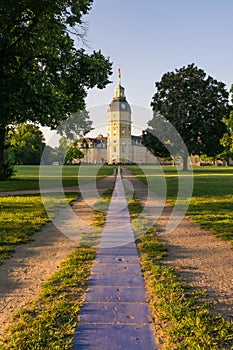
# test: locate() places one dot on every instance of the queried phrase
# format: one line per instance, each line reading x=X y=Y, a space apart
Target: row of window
x=91 y=145
x=123 y=132
x=123 y=149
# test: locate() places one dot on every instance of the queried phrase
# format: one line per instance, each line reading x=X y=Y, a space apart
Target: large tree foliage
x=26 y=144
x=44 y=78
x=154 y=138
x=195 y=104
x=77 y=124
x=227 y=139
x=67 y=151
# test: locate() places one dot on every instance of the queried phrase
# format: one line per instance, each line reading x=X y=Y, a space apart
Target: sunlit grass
x=211 y=202
x=21 y=216
x=101 y=208
x=27 y=177
x=215 y=214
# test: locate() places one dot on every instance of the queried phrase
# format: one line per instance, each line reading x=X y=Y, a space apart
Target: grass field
x=21 y=216
x=212 y=198
x=186 y=323
x=27 y=177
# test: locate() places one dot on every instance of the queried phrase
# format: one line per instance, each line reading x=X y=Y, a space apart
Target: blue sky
x=148 y=38
x=151 y=37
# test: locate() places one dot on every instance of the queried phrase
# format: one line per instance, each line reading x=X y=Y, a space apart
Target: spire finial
x=119 y=90
x=119 y=76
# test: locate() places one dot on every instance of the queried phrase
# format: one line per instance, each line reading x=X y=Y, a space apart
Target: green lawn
x=212 y=199
x=50 y=321
x=21 y=216
x=27 y=176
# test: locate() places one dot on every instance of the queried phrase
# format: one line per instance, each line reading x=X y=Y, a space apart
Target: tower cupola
x=119 y=126
x=119 y=90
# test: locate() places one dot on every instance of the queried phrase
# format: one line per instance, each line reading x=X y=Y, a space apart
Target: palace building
x=120 y=146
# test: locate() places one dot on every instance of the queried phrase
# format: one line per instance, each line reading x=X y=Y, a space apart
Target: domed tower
x=119 y=127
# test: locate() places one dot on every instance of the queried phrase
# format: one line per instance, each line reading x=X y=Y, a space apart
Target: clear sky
x=151 y=37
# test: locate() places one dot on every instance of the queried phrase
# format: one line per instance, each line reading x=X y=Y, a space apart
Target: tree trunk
x=185 y=162
x=2 y=143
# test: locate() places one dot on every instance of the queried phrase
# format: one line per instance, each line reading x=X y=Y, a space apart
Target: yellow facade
x=97 y=154
x=94 y=149
x=119 y=127
x=119 y=146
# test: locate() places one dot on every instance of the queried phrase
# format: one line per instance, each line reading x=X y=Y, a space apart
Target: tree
x=26 y=142
x=155 y=138
x=73 y=153
x=195 y=105
x=227 y=139
x=44 y=78
x=62 y=149
x=68 y=151
x=78 y=123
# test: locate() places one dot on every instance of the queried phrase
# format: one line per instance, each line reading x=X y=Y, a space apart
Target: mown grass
x=27 y=177
x=101 y=208
x=21 y=216
x=181 y=314
x=99 y=218
x=49 y=322
x=212 y=198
